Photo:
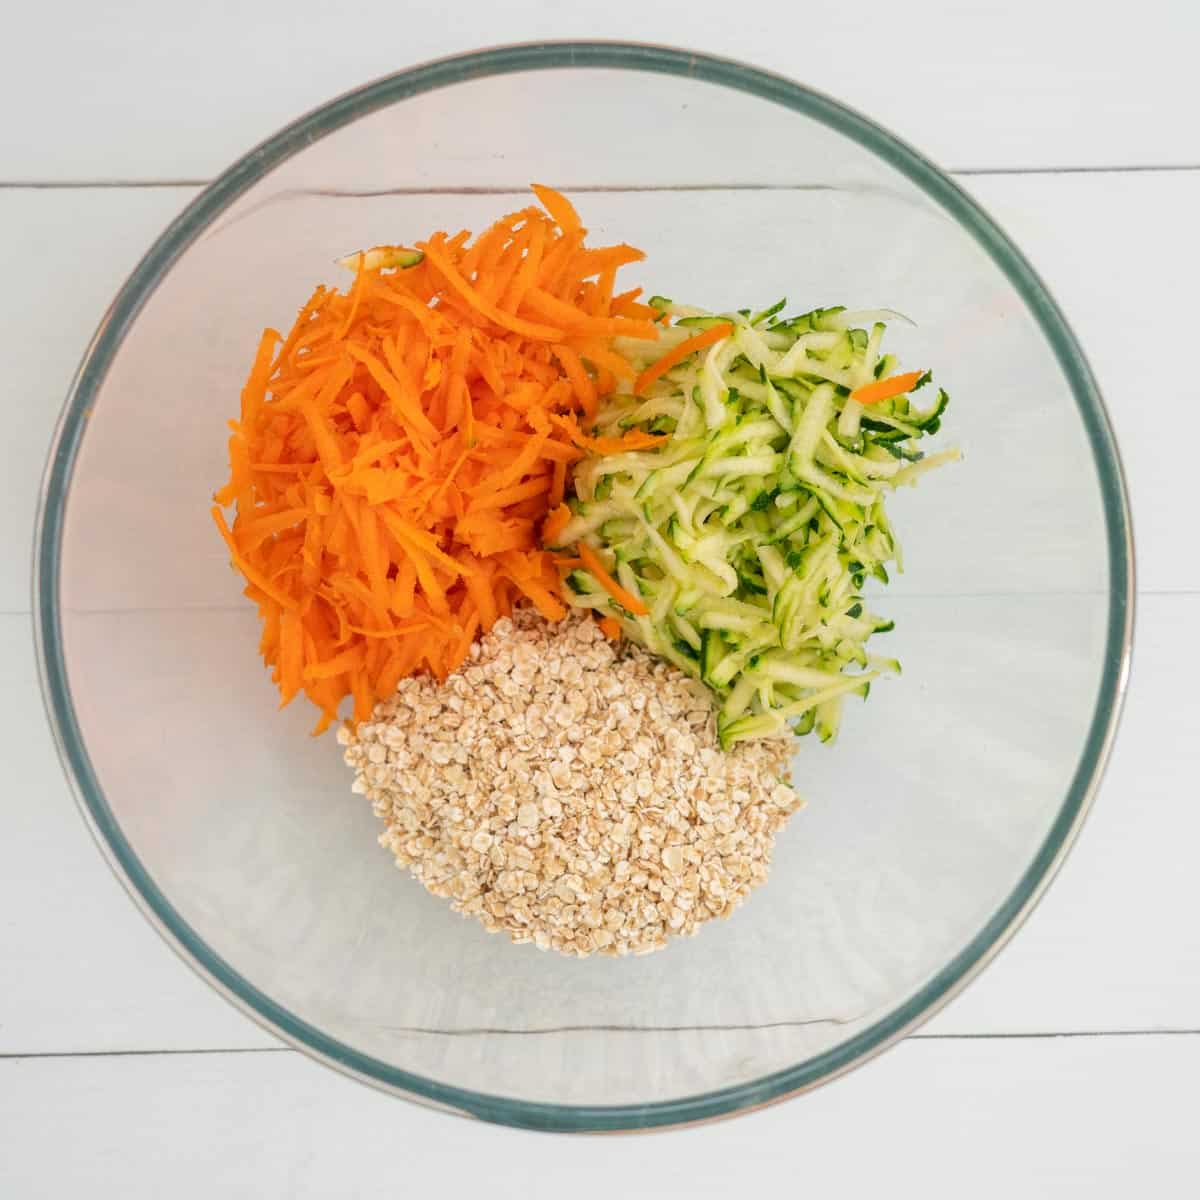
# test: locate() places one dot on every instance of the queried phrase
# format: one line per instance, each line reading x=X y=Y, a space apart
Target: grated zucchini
x=749 y=532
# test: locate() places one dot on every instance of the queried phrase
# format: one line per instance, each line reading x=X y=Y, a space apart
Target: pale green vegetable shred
x=752 y=529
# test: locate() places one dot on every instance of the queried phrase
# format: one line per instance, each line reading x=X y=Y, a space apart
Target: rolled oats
x=588 y=807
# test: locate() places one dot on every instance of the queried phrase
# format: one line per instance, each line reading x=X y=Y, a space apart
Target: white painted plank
x=1110 y=247
x=1047 y=207
x=151 y=91
x=82 y=969
x=971 y=532
x=912 y=840
x=1042 y=1119
x=70 y=251
x=1111 y=947
x=1116 y=298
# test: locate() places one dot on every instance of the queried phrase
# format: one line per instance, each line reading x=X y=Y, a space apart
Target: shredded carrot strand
x=633 y=439
x=559 y=207
x=672 y=358
x=595 y=568
x=581 y=382
x=885 y=389
x=558 y=482
x=556 y=522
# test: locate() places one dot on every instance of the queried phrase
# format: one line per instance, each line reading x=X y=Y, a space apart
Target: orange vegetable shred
x=593 y=565
x=674 y=357
x=885 y=389
x=556 y=522
x=397 y=453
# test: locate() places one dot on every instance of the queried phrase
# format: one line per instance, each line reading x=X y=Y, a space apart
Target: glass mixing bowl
x=934 y=822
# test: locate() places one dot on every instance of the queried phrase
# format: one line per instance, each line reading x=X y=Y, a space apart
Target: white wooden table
x=1071 y=1067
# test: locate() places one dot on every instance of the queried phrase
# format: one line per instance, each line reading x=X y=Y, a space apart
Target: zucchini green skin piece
x=750 y=530
x=384 y=258
x=701 y=322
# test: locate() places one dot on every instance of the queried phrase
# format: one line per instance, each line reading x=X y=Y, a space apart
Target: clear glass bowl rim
x=392 y=89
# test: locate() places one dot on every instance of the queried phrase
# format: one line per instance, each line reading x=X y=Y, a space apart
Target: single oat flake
x=571 y=792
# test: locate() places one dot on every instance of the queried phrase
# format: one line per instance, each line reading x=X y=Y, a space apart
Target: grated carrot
x=595 y=568
x=556 y=522
x=885 y=389
x=633 y=439
x=672 y=358
x=398 y=450
x=559 y=207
